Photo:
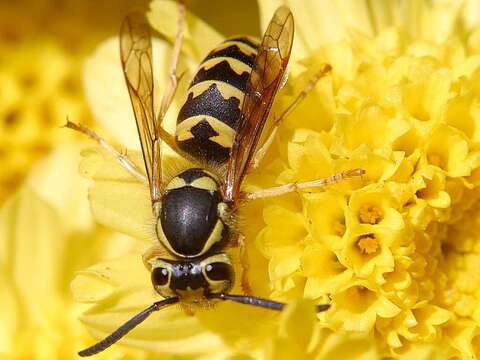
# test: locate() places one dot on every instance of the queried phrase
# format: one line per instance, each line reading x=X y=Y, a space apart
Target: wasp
x=219 y=131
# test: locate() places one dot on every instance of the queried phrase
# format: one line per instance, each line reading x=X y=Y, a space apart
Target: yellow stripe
x=225 y=133
x=237 y=66
x=244 y=48
x=252 y=39
x=222 y=257
x=205 y=183
x=176 y=183
x=215 y=236
x=225 y=89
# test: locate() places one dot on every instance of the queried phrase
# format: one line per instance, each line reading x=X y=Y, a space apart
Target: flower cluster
x=394 y=252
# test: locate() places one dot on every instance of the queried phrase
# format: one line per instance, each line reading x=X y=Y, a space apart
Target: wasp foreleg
x=245 y=265
x=123 y=160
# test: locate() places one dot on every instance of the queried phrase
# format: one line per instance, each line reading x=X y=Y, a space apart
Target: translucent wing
x=136 y=57
x=264 y=82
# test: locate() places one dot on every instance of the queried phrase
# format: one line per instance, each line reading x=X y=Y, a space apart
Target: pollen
x=370 y=214
x=368 y=244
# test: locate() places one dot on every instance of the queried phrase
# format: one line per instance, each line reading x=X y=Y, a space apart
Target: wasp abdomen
x=190 y=222
x=207 y=122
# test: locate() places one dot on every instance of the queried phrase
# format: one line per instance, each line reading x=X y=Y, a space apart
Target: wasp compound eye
x=160 y=276
x=218 y=271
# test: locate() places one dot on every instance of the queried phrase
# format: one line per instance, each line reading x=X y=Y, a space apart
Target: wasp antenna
x=260 y=302
x=125 y=328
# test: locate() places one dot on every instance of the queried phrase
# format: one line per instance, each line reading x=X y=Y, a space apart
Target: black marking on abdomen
x=232 y=51
x=201 y=137
x=201 y=145
x=211 y=102
x=190 y=175
x=222 y=72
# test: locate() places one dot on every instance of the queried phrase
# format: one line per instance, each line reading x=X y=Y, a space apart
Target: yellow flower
x=394 y=252
x=46 y=234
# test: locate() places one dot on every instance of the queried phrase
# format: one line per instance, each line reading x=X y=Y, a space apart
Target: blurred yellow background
x=42 y=47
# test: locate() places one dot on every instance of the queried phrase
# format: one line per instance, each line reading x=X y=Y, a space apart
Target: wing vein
x=264 y=81
x=136 y=59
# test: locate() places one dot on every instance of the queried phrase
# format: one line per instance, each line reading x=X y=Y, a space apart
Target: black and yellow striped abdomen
x=208 y=119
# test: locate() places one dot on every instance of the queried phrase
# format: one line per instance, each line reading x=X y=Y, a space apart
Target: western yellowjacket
x=219 y=128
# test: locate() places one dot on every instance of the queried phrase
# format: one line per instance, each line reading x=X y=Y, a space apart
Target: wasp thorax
x=191 y=218
x=193 y=279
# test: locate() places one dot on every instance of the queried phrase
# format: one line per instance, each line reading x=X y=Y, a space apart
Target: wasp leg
x=123 y=160
x=287 y=188
x=154 y=251
x=260 y=153
x=247 y=289
x=172 y=81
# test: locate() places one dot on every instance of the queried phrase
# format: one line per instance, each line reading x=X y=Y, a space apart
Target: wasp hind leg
x=123 y=160
x=260 y=153
x=288 y=188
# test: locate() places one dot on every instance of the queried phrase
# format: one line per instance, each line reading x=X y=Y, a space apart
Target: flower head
x=392 y=251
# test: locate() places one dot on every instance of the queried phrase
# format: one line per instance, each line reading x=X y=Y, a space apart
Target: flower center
x=368 y=244
x=370 y=214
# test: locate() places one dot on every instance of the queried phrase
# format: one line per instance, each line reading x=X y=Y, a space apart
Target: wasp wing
x=264 y=81
x=136 y=58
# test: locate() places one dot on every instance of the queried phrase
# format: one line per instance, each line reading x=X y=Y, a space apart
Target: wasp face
x=193 y=279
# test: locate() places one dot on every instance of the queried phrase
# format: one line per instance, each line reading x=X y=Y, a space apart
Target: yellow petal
x=107 y=94
x=32 y=242
x=295 y=332
x=349 y=346
x=56 y=180
x=117 y=199
x=199 y=37
x=327 y=20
